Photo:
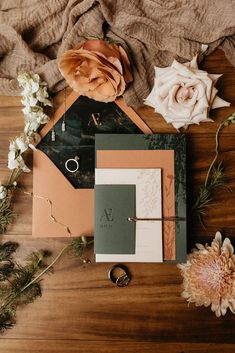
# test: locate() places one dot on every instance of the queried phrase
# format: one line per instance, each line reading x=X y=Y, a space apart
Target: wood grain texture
x=74 y=346
x=80 y=310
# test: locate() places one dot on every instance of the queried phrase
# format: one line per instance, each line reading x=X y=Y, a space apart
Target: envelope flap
x=75 y=142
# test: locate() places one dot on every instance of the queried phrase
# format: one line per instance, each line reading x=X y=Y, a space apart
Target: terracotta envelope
x=72 y=207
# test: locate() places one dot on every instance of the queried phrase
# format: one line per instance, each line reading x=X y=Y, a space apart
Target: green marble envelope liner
x=114 y=234
x=85 y=118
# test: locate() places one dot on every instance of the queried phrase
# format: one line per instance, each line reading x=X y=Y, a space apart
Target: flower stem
x=14 y=176
x=216 y=152
x=226 y=122
x=46 y=269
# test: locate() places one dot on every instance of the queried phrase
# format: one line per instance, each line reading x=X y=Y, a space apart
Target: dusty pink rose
x=96 y=69
x=183 y=94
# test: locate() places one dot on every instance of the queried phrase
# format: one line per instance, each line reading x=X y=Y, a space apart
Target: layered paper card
x=114 y=233
x=148 y=246
x=166 y=151
x=163 y=159
x=72 y=194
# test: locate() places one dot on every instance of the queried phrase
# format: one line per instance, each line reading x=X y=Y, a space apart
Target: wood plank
x=79 y=302
x=78 y=346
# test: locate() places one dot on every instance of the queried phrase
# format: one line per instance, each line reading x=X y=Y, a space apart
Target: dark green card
x=114 y=234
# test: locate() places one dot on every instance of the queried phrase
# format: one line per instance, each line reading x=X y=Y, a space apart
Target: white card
x=148 y=205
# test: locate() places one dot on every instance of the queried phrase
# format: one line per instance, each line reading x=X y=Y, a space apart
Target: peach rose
x=96 y=69
x=183 y=94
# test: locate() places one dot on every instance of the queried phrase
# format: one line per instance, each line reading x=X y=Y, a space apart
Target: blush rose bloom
x=96 y=69
x=183 y=94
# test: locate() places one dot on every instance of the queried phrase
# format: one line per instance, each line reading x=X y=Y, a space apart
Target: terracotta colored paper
x=163 y=159
x=72 y=207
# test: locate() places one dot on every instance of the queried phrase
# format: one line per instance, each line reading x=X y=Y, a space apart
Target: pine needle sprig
x=215 y=177
x=7 y=249
x=6 y=264
x=23 y=285
x=77 y=245
x=6 y=214
x=7 y=319
x=6 y=269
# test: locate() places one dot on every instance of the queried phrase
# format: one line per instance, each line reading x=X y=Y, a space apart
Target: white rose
x=3 y=192
x=183 y=94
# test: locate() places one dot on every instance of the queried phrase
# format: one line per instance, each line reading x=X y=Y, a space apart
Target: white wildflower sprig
x=34 y=98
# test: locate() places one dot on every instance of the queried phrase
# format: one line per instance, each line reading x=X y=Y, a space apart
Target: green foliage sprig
x=21 y=284
x=215 y=177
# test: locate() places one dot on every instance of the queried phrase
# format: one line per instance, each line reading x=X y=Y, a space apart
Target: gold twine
x=52 y=217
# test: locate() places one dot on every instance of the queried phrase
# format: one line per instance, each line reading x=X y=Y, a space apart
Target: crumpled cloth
x=34 y=33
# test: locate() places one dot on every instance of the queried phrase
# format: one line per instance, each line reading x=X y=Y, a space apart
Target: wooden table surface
x=80 y=310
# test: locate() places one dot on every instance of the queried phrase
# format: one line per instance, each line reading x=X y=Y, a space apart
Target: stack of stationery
x=154 y=167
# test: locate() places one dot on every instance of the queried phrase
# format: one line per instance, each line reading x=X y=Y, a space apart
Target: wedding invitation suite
x=166 y=151
x=163 y=159
x=147 y=182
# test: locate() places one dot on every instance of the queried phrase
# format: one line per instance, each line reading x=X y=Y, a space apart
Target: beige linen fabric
x=34 y=33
